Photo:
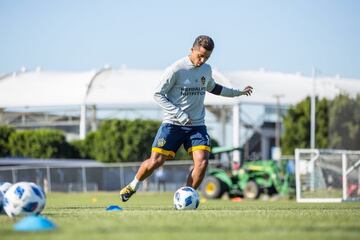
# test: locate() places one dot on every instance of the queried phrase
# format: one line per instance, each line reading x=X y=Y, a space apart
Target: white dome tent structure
x=133 y=89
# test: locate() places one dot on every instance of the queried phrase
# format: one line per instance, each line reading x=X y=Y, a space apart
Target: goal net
x=327 y=175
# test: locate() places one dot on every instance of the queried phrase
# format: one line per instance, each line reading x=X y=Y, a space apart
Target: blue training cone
x=113 y=208
x=34 y=223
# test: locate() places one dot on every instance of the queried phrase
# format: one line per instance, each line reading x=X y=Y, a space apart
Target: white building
x=75 y=101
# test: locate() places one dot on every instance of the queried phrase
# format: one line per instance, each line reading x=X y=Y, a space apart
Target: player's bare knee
x=203 y=163
x=157 y=161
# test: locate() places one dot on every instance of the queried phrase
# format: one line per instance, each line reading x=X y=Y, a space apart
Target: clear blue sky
x=278 y=35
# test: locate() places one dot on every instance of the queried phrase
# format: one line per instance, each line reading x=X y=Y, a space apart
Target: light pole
x=277 y=124
x=313 y=111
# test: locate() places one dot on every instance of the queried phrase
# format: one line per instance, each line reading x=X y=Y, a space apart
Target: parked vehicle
x=248 y=180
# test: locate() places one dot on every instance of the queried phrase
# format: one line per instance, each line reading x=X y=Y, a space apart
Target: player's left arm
x=218 y=89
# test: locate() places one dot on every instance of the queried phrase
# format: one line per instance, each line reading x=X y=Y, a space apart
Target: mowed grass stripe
x=151 y=216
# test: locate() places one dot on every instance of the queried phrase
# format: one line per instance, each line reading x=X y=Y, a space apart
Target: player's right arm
x=166 y=84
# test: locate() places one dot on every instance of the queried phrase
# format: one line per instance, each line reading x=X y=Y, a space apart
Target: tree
x=138 y=139
x=5 y=132
x=124 y=140
x=344 y=125
x=297 y=126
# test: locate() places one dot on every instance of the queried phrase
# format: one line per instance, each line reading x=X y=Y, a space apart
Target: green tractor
x=248 y=181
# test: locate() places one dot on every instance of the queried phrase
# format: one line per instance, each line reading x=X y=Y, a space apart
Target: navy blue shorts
x=170 y=137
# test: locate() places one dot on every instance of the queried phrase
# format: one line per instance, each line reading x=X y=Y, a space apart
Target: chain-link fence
x=110 y=177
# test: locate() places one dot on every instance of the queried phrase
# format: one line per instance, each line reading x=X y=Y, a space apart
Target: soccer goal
x=327 y=175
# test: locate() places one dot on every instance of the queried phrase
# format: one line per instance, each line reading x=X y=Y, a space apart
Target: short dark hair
x=205 y=42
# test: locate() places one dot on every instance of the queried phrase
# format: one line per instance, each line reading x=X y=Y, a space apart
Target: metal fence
x=110 y=177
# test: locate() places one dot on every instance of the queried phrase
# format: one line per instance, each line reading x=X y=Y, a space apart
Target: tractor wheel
x=252 y=190
x=213 y=187
x=272 y=191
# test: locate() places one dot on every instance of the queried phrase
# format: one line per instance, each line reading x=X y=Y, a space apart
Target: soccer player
x=181 y=94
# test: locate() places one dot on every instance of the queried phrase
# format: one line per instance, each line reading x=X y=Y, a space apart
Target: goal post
x=325 y=175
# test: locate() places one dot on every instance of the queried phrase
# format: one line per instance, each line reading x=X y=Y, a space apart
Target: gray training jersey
x=182 y=90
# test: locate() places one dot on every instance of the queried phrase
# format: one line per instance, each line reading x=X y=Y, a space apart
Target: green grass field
x=151 y=216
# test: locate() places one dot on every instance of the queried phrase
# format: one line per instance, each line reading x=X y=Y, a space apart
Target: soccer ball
x=186 y=198
x=1 y=200
x=4 y=186
x=24 y=198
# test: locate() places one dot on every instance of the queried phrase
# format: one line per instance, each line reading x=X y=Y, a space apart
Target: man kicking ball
x=181 y=94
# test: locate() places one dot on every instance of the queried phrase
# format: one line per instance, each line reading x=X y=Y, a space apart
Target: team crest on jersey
x=203 y=80
x=161 y=142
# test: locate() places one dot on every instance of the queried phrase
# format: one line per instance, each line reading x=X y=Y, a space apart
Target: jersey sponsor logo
x=187 y=82
x=203 y=80
x=161 y=142
x=192 y=91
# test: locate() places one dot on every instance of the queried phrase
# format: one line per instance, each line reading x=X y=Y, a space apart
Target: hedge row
x=41 y=143
x=121 y=141
x=114 y=141
x=5 y=132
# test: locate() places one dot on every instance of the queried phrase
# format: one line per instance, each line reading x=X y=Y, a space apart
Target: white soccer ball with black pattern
x=1 y=201
x=24 y=198
x=4 y=186
x=186 y=198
